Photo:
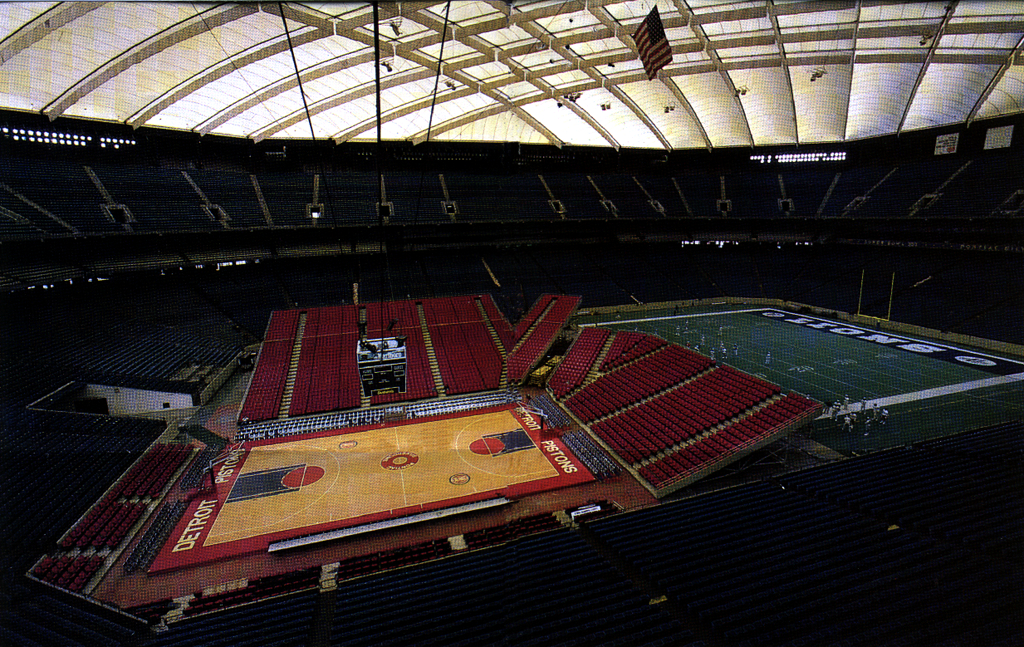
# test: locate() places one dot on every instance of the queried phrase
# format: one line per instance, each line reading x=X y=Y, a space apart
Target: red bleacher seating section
x=326 y=374
x=521 y=527
x=419 y=382
x=326 y=378
x=264 y=397
x=107 y=523
x=152 y=471
x=736 y=437
x=531 y=315
x=627 y=346
x=393 y=558
x=68 y=572
x=651 y=400
x=578 y=361
x=645 y=377
x=532 y=343
x=264 y=587
x=498 y=321
x=467 y=357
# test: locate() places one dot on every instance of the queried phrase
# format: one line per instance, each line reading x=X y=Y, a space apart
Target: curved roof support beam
x=281 y=86
x=994 y=81
x=593 y=123
x=363 y=90
x=685 y=103
x=42 y=26
x=216 y=16
x=483 y=47
x=427 y=69
x=488 y=89
x=535 y=124
x=409 y=51
x=619 y=94
x=502 y=105
x=950 y=8
x=698 y=31
x=785 y=66
x=284 y=84
x=406 y=109
x=254 y=54
x=458 y=122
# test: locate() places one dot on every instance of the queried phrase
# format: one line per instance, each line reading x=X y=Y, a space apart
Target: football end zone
x=301 y=490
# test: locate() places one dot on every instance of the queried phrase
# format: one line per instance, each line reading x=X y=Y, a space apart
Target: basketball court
x=268 y=491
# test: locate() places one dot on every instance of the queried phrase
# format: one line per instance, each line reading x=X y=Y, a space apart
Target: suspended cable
x=298 y=78
x=433 y=100
x=440 y=63
x=312 y=134
x=386 y=276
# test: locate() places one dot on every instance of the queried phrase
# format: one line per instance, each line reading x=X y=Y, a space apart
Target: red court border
x=557 y=454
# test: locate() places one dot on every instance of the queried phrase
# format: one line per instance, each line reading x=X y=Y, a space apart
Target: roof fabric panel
x=743 y=73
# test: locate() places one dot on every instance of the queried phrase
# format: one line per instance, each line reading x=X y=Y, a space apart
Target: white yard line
x=936 y=392
x=703 y=314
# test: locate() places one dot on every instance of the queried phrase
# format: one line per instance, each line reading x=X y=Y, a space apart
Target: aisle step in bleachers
x=467 y=357
x=535 y=333
x=647 y=376
x=263 y=399
x=578 y=361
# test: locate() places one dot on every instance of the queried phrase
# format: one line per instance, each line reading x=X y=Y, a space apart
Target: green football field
x=929 y=388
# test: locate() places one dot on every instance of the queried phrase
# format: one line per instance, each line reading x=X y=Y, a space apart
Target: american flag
x=655 y=52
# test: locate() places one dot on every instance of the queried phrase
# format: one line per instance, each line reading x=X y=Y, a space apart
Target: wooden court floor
x=279 y=489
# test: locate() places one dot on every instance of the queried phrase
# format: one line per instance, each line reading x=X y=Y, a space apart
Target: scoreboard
x=381 y=364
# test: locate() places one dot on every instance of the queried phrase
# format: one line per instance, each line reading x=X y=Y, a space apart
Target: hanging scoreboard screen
x=381 y=364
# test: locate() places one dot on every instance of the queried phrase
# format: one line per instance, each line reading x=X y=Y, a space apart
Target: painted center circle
x=399 y=460
x=486 y=446
x=304 y=475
